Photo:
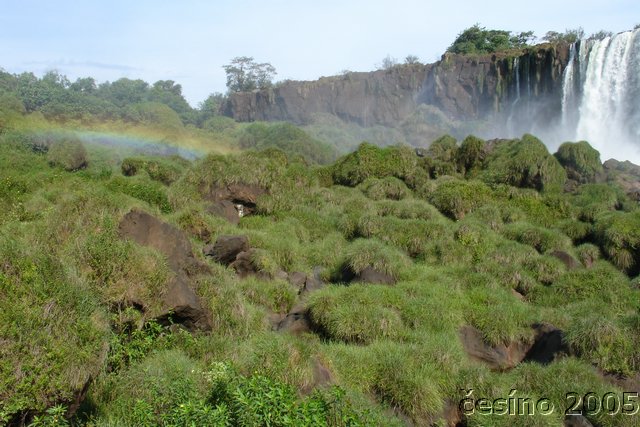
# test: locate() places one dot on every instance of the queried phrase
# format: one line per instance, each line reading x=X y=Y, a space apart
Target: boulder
x=499 y=357
x=577 y=421
x=548 y=345
x=172 y=243
x=311 y=284
x=179 y=301
x=243 y=196
x=225 y=209
x=182 y=305
x=296 y=322
x=243 y=264
x=226 y=248
x=297 y=279
x=371 y=275
x=569 y=261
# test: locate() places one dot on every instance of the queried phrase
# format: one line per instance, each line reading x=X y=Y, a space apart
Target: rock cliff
x=463 y=87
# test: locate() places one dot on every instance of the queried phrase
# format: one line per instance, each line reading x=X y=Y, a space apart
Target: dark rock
x=499 y=357
x=296 y=322
x=182 y=305
x=147 y=230
x=244 y=197
x=371 y=275
x=461 y=86
x=281 y=275
x=297 y=279
x=225 y=209
x=179 y=301
x=243 y=264
x=312 y=284
x=569 y=261
x=576 y=421
x=548 y=345
x=226 y=248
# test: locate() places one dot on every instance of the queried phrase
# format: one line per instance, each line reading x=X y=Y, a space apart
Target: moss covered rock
x=580 y=160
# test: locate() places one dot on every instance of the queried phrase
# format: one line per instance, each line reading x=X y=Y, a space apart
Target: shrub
x=581 y=161
x=442 y=155
x=369 y=161
x=524 y=163
x=143 y=189
x=618 y=233
x=288 y=138
x=471 y=155
x=163 y=170
x=456 y=198
x=363 y=253
x=542 y=239
x=385 y=188
x=68 y=153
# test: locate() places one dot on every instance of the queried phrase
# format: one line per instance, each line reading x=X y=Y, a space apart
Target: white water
x=601 y=95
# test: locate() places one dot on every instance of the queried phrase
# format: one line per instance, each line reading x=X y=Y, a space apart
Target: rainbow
x=138 y=144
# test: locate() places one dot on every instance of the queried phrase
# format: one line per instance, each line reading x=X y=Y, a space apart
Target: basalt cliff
x=462 y=87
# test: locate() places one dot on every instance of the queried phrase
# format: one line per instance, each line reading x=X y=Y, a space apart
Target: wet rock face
x=462 y=87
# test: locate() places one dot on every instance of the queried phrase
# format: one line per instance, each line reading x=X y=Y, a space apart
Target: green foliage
x=542 y=239
x=142 y=188
x=363 y=253
x=581 y=161
x=569 y=36
x=618 y=233
x=244 y=74
x=159 y=169
x=69 y=153
x=385 y=188
x=457 y=198
x=288 y=138
x=524 y=163
x=477 y=39
x=369 y=161
x=471 y=155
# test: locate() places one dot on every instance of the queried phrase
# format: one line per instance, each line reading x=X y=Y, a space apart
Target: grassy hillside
x=376 y=290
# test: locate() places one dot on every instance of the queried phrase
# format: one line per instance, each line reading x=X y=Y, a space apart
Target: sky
x=189 y=41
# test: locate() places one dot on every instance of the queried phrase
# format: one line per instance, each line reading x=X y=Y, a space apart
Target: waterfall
x=601 y=95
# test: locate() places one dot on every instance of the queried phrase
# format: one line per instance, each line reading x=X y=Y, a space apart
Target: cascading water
x=601 y=95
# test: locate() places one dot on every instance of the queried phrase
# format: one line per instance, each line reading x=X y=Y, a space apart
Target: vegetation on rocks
x=367 y=291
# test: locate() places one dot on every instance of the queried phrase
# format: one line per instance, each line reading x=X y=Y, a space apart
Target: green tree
x=569 y=36
x=244 y=74
x=477 y=39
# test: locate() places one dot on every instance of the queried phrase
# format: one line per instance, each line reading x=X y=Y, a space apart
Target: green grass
x=76 y=301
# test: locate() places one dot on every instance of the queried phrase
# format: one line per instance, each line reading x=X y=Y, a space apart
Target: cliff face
x=462 y=87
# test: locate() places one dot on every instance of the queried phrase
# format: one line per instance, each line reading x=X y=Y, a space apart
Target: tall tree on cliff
x=244 y=74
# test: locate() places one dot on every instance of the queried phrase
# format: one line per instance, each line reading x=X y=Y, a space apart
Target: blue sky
x=188 y=41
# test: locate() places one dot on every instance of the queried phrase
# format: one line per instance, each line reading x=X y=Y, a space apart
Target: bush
x=68 y=153
x=524 y=163
x=542 y=239
x=288 y=138
x=165 y=171
x=618 y=233
x=456 y=198
x=471 y=155
x=581 y=161
x=143 y=189
x=442 y=155
x=385 y=188
x=365 y=253
x=369 y=161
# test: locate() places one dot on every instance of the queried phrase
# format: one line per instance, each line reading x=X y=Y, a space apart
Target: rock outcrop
x=179 y=302
x=463 y=87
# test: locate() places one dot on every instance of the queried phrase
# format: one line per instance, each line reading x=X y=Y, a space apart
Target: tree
x=244 y=74
x=601 y=35
x=477 y=39
x=387 y=63
x=411 y=59
x=569 y=36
